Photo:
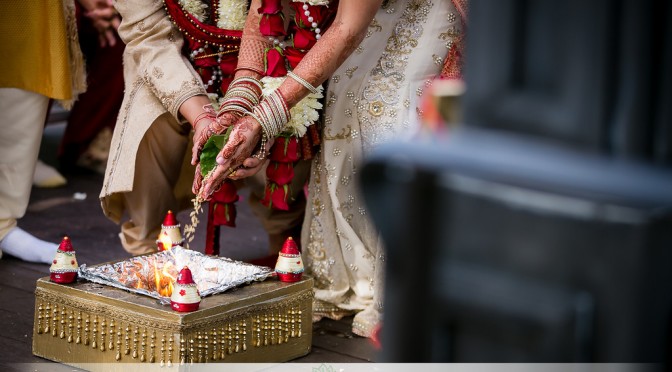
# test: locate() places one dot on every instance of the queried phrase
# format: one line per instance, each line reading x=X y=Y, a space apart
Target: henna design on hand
x=232 y=145
x=253 y=43
x=198 y=180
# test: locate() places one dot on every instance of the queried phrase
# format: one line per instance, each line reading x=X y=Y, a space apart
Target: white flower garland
x=232 y=14
x=303 y=114
x=196 y=8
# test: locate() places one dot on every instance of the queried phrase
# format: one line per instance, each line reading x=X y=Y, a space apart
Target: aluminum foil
x=138 y=274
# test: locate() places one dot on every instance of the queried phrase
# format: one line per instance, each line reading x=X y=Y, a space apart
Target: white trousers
x=22 y=116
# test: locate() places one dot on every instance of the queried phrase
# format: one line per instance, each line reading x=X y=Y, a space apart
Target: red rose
x=276 y=196
x=226 y=194
x=275 y=63
x=280 y=173
x=304 y=39
x=270 y=7
x=285 y=150
x=294 y=56
x=272 y=25
x=318 y=12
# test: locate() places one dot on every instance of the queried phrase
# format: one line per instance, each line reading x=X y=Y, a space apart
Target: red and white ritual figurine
x=170 y=235
x=290 y=265
x=185 y=295
x=64 y=267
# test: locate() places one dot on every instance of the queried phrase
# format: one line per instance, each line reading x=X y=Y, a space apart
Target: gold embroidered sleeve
x=154 y=51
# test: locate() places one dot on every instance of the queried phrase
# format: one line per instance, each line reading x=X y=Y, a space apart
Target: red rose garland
x=213 y=52
x=304 y=30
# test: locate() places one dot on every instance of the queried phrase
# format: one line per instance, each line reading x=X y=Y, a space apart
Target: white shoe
x=47 y=176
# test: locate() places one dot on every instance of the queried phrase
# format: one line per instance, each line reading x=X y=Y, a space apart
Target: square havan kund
x=86 y=322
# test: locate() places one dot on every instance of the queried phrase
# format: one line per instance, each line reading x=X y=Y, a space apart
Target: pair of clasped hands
x=235 y=160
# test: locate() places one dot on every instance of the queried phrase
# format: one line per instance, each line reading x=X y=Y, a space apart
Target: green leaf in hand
x=211 y=150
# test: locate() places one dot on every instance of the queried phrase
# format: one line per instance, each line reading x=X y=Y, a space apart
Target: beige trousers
x=22 y=115
x=163 y=179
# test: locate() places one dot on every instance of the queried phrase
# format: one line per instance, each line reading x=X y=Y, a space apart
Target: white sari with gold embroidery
x=371 y=98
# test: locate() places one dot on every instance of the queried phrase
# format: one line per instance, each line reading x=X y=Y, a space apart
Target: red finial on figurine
x=290 y=247
x=170 y=219
x=185 y=276
x=185 y=296
x=66 y=245
x=170 y=234
x=290 y=265
x=64 y=267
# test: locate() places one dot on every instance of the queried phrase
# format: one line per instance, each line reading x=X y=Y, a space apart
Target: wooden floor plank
x=18 y=300
x=337 y=336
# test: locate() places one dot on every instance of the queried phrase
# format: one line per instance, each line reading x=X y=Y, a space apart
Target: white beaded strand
x=313 y=24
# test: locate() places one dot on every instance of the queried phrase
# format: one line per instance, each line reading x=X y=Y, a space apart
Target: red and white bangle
x=208 y=112
x=243 y=94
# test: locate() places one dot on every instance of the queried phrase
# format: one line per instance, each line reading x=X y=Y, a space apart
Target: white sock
x=22 y=245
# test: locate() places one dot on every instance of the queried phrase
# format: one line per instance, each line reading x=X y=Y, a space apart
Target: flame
x=164 y=279
x=140 y=282
x=165 y=241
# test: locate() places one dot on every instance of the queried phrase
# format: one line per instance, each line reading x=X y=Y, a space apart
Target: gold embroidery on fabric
x=376 y=108
x=374 y=27
x=137 y=84
x=317 y=262
x=452 y=17
x=158 y=74
x=170 y=98
x=382 y=92
x=450 y=36
x=332 y=99
x=343 y=134
x=351 y=71
x=437 y=60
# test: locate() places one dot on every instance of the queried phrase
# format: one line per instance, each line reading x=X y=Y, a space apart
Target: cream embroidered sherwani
x=158 y=79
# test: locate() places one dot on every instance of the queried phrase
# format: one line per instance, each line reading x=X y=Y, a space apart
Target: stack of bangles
x=243 y=94
x=272 y=114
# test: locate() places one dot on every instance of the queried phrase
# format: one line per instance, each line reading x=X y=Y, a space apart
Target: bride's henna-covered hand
x=253 y=164
x=208 y=128
x=202 y=132
x=242 y=141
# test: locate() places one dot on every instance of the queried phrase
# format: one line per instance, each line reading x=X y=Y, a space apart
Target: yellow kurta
x=37 y=41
